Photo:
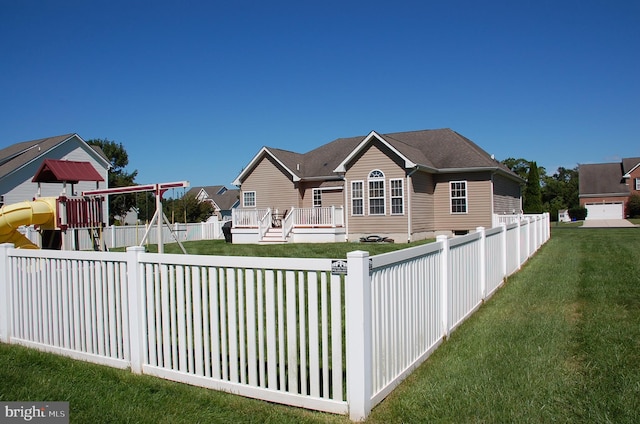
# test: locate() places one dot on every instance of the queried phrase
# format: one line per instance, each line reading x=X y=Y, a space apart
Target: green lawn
x=299 y=250
x=560 y=342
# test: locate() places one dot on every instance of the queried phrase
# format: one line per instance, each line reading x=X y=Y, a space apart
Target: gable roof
x=225 y=199
x=601 y=179
x=629 y=165
x=60 y=171
x=20 y=154
x=440 y=150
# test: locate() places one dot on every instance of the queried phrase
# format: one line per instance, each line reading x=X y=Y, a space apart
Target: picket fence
x=131 y=235
x=324 y=334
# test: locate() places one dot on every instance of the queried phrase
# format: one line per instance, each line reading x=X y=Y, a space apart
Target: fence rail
x=293 y=331
x=115 y=236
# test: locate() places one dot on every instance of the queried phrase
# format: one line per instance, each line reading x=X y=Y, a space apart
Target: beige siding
x=422 y=195
x=274 y=187
x=377 y=156
x=332 y=194
x=506 y=195
x=479 y=212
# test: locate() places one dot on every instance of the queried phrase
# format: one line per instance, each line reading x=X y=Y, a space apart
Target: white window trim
x=244 y=199
x=361 y=182
x=401 y=197
x=384 y=192
x=316 y=192
x=466 y=197
x=637 y=183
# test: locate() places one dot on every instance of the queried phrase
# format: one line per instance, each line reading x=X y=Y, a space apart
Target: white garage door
x=605 y=211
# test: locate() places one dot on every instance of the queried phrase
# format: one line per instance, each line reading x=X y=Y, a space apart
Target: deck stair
x=273 y=236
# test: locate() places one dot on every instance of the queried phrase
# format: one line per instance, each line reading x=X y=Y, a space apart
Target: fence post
x=483 y=262
x=518 y=242
x=6 y=309
x=444 y=283
x=358 y=335
x=503 y=247
x=528 y=238
x=136 y=309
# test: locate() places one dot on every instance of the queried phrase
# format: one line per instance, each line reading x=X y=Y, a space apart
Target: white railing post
x=358 y=335
x=5 y=293
x=136 y=309
x=483 y=262
x=444 y=282
x=333 y=216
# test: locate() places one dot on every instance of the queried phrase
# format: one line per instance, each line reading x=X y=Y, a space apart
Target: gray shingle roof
x=225 y=200
x=440 y=149
x=629 y=163
x=17 y=155
x=602 y=179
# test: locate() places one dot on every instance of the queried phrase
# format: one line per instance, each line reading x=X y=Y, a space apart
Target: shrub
x=633 y=206
x=578 y=213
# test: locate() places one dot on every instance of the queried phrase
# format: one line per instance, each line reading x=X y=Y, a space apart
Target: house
x=405 y=186
x=20 y=162
x=604 y=188
x=221 y=198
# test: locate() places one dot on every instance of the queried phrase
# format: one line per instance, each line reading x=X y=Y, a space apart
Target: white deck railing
x=261 y=327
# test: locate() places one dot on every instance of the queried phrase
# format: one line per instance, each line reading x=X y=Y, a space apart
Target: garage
x=605 y=210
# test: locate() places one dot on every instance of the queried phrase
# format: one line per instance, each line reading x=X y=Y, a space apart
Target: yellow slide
x=38 y=212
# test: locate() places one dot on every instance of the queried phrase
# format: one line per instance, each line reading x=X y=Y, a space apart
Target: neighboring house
x=221 y=198
x=405 y=186
x=19 y=163
x=563 y=215
x=604 y=188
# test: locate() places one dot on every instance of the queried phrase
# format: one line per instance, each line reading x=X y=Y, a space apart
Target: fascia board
x=90 y=149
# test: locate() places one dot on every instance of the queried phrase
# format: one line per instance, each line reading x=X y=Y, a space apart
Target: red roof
x=65 y=171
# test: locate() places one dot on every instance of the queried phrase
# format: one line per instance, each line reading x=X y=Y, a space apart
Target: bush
x=633 y=206
x=578 y=213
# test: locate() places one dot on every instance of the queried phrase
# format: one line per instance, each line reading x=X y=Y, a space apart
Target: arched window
x=376 y=192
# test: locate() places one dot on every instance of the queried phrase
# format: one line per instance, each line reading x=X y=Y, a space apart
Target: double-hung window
x=249 y=199
x=376 y=193
x=397 y=196
x=637 y=183
x=357 y=198
x=317 y=198
x=458 y=196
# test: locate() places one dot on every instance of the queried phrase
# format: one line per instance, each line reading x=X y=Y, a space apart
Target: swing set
x=159 y=219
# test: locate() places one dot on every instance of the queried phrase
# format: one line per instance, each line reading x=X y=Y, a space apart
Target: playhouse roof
x=65 y=171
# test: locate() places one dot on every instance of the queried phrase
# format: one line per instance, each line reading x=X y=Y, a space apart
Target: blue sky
x=194 y=89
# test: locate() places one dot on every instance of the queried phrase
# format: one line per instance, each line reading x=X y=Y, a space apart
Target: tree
x=522 y=167
x=519 y=166
x=187 y=209
x=560 y=191
x=119 y=204
x=532 y=192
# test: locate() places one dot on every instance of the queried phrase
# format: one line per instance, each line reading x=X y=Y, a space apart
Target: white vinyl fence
x=131 y=235
x=294 y=331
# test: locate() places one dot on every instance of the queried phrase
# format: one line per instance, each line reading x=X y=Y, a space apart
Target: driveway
x=607 y=223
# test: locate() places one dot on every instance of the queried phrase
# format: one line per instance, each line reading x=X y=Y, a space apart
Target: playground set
x=55 y=215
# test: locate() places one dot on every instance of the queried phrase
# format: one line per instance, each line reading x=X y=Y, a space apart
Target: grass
x=299 y=250
x=560 y=342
